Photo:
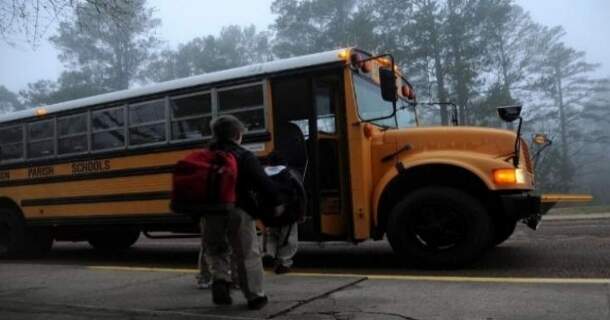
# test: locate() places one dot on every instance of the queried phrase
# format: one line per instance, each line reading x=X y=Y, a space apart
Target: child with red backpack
x=226 y=175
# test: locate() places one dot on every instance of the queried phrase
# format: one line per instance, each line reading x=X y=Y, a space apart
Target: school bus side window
x=107 y=128
x=41 y=139
x=72 y=134
x=11 y=143
x=147 y=122
x=191 y=116
x=245 y=103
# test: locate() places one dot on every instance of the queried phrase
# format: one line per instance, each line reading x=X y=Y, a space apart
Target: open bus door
x=308 y=133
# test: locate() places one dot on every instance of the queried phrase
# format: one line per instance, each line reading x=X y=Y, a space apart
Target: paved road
x=558 y=272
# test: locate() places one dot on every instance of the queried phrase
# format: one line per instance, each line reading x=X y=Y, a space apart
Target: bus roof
x=207 y=78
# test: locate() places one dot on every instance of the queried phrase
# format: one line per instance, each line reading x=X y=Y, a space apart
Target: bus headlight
x=508 y=176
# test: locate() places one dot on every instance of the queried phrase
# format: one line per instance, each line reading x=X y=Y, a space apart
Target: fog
x=550 y=56
x=587 y=24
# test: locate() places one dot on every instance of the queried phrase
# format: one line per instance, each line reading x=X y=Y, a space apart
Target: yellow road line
x=516 y=280
x=461 y=279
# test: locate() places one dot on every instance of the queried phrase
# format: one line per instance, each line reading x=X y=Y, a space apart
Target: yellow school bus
x=99 y=169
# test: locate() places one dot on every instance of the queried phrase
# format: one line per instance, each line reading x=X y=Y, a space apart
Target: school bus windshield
x=372 y=106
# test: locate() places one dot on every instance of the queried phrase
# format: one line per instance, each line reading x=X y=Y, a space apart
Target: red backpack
x=204 y=182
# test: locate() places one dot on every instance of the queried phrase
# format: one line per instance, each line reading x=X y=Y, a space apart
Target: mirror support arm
x=518 y=144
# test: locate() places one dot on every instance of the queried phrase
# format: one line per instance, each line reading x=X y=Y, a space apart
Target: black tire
x=114 y=239
x=18 y=241
x=439 y=228
x=12 y=234
x=38 y=242
x=503 y=229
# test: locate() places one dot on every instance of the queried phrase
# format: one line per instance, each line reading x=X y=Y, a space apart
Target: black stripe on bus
x=143 y=196
x=91 y=176
x=150 y=219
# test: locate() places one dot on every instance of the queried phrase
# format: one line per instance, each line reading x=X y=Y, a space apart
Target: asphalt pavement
x=558 y=272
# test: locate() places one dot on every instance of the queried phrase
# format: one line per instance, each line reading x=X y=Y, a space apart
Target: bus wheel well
x=6 y=203
x=421 y=176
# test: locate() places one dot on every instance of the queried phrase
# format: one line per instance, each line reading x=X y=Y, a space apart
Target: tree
x=304 y=27
x=115 y=50
x=233 y=47
x=511 y=37
x=562 y=77
x=9 y=101
x=427 y=49
x=33 y=18
x=70 y=85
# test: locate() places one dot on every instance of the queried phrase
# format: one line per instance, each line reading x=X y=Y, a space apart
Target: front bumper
x=530 y=208
x=526 y=207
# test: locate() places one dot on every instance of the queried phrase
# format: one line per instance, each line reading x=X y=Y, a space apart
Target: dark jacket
x=251 y=179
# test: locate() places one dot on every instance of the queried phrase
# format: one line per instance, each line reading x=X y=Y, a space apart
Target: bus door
x=314 y=104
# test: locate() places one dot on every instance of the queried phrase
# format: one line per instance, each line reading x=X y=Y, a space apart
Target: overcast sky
x=587 y=23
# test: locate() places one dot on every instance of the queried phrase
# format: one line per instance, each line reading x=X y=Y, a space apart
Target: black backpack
x=291 y=194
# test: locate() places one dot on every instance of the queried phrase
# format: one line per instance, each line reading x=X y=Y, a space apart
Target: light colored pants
x=280 y=248
x=234 y=234
x=204 y=270
x=204 y=274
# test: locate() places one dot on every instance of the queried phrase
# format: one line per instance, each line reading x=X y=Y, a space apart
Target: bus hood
x=496 y=143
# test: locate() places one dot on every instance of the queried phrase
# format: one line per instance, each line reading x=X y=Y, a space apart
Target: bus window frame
x=23 y=144
x=87 y=133
x=129 y=126
x=172 y=119
x=90 y=111
x=124 y=127
x=216 y=105
x=28 y=140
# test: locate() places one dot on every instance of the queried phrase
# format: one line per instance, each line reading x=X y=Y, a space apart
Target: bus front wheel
x=503 y=229
x=439 y=227
x=115 y=239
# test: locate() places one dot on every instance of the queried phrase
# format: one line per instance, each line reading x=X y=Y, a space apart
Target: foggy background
x=550 y=56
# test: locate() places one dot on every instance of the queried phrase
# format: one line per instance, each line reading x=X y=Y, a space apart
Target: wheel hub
x=438 y=228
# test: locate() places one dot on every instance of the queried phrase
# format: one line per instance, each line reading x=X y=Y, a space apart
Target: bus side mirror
x=387 y=81
x=509 y=113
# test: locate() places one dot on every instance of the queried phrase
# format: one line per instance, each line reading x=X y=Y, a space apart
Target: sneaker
x=281 y=269
x=204 y=282
x=258 y=303
x=235 y=285
x=221 y=293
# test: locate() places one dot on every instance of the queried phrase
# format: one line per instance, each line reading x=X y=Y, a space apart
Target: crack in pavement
x=311 y=299
x=398 y=315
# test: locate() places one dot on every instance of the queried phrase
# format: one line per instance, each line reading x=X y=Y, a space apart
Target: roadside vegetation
x=479 y=54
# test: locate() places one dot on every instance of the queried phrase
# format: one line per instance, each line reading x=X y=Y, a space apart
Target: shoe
x=258 y=303
x=221 y=293
x=235 y=285
x=281 y=269
x=204 y=282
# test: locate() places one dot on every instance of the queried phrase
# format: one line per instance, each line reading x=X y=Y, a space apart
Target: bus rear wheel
x=114 y=239
x=12 y=234
x=439 y=227
x=17 y=240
